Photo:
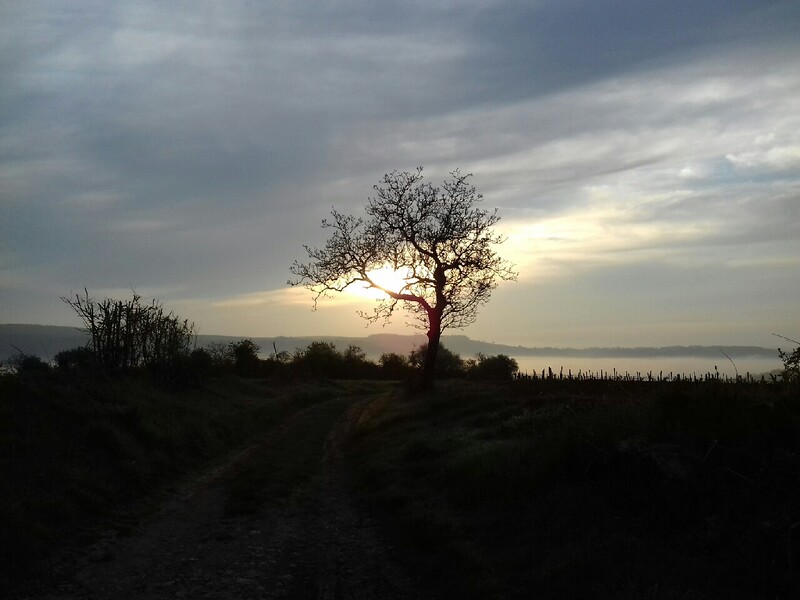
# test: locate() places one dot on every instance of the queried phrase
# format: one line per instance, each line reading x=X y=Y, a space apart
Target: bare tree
x=126 y=334
x=437 y=239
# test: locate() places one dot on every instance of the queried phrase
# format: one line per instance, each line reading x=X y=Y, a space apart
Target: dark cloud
x=538 y=48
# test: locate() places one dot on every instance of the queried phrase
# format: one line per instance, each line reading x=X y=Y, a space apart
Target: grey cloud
x=196 y=146
x=538 y=48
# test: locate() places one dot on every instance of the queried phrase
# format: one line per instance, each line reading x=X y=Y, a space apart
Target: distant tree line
x=318 y=360
x=323 y=360
x=134 y=337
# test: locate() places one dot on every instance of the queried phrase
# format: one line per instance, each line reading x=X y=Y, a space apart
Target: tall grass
x=561 y=489
x=74 y=453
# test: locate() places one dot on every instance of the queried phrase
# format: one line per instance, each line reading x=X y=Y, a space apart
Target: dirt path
x=316 y=545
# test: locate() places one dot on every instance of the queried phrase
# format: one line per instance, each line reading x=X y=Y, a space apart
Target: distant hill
x=46 y=341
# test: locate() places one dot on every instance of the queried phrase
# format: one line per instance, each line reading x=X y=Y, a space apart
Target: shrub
x=356 y=365
x=323 y=359
x=494 y=368
x=448 y=363
x=75 y=360
x=394 y=366
x=27 y=364
x=245 y=356
x=791 y=365
x=126 y=334
x=221 y=357
x=318 y=359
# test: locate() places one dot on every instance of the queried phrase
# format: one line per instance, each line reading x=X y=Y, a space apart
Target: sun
x=385 y=277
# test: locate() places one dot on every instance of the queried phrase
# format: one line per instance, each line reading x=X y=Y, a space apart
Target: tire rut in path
x=316 y=546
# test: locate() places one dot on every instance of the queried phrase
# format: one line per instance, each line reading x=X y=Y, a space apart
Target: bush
x=221 y=357
x=27 y=364
x=791 y=365
x=494 y=368
x=394 y=366
x=127 y=334
x=448 y=363
x=245 y=356
x=79 y=359
x=324 y=360
x=356 y=365
x=318 y=359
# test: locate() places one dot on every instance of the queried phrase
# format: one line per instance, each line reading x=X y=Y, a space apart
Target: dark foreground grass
x=589 y=489
x=292 y=454
x=76 y=455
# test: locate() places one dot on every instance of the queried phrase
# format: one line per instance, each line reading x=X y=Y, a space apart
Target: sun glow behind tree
x=436 y=243
x=382 y=280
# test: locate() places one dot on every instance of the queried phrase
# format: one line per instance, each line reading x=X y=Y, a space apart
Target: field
x=617 y=490
x=545 y=488
x=79 y=458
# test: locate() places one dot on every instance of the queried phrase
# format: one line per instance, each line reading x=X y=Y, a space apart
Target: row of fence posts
x=613 y=375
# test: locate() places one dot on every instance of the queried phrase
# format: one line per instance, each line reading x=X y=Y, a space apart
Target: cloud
x=781 y=158
x=287 y=296
x=620 y=171
x=694 y=172
x=194 y=149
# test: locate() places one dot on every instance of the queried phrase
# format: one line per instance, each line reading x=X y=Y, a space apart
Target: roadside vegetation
x=489 y=486
x=86 y=440
x=590 y=489
x=80 y=455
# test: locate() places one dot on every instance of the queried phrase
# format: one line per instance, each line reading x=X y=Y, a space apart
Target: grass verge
x=588 y=489
x=76 y=455
x=292 y=454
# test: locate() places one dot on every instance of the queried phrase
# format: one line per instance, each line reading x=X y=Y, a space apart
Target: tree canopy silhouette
x=436 y=240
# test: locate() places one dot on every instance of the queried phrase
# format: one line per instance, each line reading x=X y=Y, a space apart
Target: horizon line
x=454 y=335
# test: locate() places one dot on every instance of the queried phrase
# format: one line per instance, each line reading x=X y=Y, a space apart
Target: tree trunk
x=429 y=366
x=434 y=329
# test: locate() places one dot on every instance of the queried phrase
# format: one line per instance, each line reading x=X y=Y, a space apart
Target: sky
x=644 y=157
